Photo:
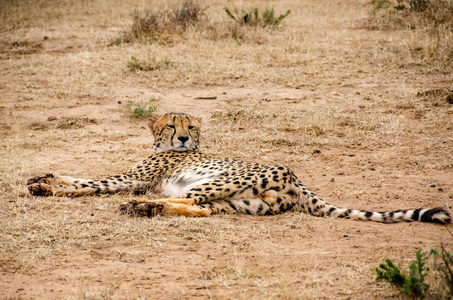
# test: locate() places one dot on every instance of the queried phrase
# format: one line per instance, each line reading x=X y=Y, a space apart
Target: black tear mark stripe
x=160 y=133
x=174 y=132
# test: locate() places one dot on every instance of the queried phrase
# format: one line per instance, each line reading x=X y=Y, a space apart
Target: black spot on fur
x=260 y=208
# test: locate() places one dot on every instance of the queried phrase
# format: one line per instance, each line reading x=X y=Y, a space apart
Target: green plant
x=412 y=285
x=414 y=5
x=134 y=64
x=445 y=268
x=253 y=17
x=418 y=5
x=139 y=110
x=380 y=4
x=151 y=65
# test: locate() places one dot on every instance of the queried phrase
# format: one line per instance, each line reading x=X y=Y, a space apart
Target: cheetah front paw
x=143 y=209
x=40 y=189
x=41 y=185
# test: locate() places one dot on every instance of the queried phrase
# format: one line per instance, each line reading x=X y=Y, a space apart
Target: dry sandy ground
x=359 y=119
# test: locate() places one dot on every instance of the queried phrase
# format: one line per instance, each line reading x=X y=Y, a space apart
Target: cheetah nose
x=183 y=138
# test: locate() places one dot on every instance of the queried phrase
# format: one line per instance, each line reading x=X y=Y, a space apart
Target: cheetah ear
x=151 y=121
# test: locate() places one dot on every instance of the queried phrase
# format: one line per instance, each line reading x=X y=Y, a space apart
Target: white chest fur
x=184 y=182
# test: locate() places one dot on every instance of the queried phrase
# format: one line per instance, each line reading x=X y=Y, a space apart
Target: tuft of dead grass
x=163 y=25
x=427 y=25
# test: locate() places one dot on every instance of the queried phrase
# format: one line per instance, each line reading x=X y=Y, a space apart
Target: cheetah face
x=175 y=131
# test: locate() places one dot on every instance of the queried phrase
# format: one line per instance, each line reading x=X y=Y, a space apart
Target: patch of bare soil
x=361 y=123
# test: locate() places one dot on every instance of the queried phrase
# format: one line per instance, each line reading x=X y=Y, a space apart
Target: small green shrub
x=413 y=5
x=253 y=17
x=412 y=285
x=440 y=269
x=139 y=110
x=417 y=5
x=151 y=65
x=445 y=267
x=134 y=64
x=380 y=4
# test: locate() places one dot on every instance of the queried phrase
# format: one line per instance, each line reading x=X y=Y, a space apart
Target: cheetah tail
x=318 y=207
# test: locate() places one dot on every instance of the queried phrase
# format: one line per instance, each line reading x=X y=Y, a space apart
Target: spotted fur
x=194 y=184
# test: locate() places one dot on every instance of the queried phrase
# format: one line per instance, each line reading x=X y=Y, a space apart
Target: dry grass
x=362 y=116
x=428 y=28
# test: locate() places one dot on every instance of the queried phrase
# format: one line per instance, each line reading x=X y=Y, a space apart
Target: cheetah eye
x=171 y=126
x=191 y=127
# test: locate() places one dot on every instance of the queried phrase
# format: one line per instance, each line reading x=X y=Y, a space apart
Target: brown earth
x=360 y=118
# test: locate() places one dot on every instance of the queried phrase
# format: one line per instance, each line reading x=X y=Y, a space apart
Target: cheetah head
x=175 y=131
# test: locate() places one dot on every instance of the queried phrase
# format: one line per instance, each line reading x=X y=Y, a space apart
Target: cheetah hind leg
x=167 y=207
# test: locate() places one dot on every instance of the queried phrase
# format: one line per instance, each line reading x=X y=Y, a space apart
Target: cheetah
x=193 y=184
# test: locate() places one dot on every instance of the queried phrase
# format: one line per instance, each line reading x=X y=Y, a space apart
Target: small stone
x=51 y=118
x=449 y=99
